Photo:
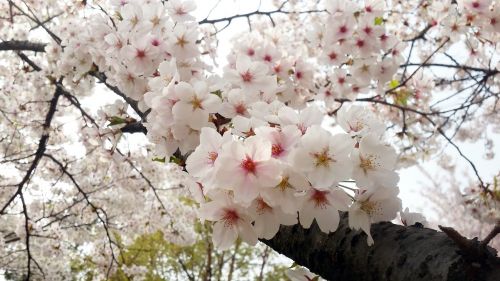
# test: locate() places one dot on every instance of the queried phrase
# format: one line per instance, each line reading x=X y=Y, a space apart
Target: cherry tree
x=120 y=118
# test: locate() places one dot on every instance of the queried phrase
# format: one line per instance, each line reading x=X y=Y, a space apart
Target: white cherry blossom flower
x=194 y=105
x=247 y=167
x=251 y=76
x=282 y=140
x=372 y=206
x=269 y=218
x=231 y=221
x=358 y=121
x=304 y=119
x=411 y=218
x=323 y=158
x=201 y=163
x=374 y=163
x=284 y=194
x=179 y=10
x=324 y=206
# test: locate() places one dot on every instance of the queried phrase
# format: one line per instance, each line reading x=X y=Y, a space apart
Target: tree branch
x=15 y=45
x=399 y=253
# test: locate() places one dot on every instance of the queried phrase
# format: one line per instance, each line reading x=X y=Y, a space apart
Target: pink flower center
x=332 y=56
x=277 y=68
x=140 y=54
x=319 y=198
x=248 y=165
x=360 y=43
x=250 y=52
x=343 y=29
x=475 y=4
x=212 y=156
x=230 y=217
x=180 y=11
x=268 y=58
x=240 y=109
x=298 y=75
x=155 y=42
x=262 y=207
x=276 y=150
x=246 y=76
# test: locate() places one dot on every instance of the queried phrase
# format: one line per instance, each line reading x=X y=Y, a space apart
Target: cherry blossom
x=323 y=206
x=195 y=104
x=248 y=168
x=231 y=222
x=323 y=158
x=379 y=204
x=374 y=163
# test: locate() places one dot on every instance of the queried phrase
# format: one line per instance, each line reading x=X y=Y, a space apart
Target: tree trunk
x=399 y=253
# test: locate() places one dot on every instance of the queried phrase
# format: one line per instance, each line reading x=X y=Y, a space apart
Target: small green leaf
x=401 y=97
x=158 y=159
x=379 y=21
x=217 y=93
x=115 y=120
x=176 y=160
x=393 y=84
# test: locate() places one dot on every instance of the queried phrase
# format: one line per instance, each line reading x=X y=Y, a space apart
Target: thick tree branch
x=15 y=45
x=399 y=253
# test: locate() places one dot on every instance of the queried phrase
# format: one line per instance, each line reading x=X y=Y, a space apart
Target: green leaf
x=158 y=159
x=401 y=97
x=393 y=84
x=176 y=160
x=379 y=21
x=217 y=93
x=115 y=120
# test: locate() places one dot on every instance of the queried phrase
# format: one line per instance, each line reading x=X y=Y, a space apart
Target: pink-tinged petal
x=302 y=160
x=211 y=211
x=258 y=148
x=269 y=173
x=211 y=103
x=243 y=63
x=247 y=191
x=210 y=138
x=184 y=91
x=328 y=219
x=198 y=119
x=360 y=220
x=339 y=199
x=230 y=173
x=306 y=215
x=182 y=111
x=267 y=226
x=224 y=235
x=247 y=233
x=321 y=177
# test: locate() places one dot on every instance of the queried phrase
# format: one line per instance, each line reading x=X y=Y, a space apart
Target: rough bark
x=399 y=253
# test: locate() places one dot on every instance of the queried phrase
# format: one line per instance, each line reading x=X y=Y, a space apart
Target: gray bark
x=399 y=253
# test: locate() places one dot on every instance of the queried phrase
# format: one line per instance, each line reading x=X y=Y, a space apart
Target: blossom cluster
x=253 y=137
x=257 y=150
